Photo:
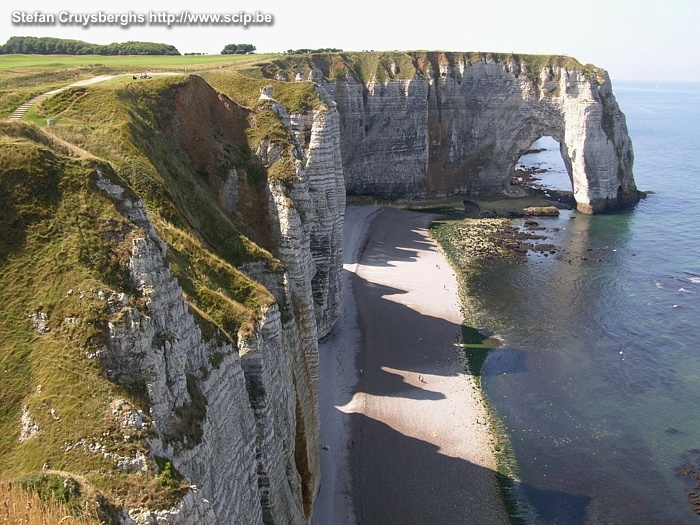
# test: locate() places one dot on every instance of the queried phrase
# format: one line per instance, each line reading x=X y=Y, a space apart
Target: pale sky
x=633 y=39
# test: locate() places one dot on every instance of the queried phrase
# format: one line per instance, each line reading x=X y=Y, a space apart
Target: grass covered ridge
x=64 y=246
x=266 y=127
x=176 y=151
x=175 y=142
x=382 y=66
x=244 y=88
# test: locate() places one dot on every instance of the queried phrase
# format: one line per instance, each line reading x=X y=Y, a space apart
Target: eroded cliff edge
x=435 y=124
x=209 y=250
x=249 y=407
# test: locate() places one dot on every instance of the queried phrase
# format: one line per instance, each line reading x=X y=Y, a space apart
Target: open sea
x=597 y=382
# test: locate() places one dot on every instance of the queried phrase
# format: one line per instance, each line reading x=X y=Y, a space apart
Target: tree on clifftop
x=237 y=49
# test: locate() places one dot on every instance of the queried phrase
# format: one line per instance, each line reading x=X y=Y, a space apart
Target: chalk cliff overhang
x=437 y=124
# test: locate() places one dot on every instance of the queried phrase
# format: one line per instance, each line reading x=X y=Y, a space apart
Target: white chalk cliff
x=239 y=421
x=458 y=127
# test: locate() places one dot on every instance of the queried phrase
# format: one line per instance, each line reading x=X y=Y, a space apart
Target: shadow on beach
x=409 y=353
x=400 y=480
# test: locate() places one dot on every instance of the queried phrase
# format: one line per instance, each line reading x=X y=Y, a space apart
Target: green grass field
x=25 y=76
x=123 y=62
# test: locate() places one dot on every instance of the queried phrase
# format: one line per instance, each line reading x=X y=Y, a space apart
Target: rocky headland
x=439 y=124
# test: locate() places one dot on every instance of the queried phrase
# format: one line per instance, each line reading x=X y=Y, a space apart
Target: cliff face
x=240 y=420
x=459 y=126
x=237 y=416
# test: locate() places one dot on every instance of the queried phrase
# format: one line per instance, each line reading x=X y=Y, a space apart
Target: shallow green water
x=598 y=379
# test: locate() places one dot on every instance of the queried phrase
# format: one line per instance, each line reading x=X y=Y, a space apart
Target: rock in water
x=542 y=211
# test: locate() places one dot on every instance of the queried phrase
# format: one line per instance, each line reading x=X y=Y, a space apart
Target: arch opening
x=542 y=167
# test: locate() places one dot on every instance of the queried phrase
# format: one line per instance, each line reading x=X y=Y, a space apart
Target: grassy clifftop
x=23 y=76
x=63 y=249
x=386 y=65
x=167 y=143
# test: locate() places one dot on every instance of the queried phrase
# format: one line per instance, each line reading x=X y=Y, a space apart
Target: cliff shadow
x=407 y=310
x=398 y=479
x=401 y=347
x=386 y=250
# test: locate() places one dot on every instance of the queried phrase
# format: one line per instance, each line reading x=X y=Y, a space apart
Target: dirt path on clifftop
x=22 y=110
x=417 y=445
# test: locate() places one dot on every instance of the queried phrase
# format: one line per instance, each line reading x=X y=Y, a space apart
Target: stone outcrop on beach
x=542 y=211
x=457 y=123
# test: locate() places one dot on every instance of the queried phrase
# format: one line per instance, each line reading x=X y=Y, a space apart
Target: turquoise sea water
x=597 y=382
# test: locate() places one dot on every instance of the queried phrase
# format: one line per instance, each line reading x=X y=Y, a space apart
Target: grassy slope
x=17 y=506
x=53 y=230
x=125 y=123
x=244 y=88
x=55 y=260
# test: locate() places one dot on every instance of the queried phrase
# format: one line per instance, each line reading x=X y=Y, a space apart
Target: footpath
x=22 y=110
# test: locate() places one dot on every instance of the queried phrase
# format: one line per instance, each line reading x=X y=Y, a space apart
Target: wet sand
x=404 y=428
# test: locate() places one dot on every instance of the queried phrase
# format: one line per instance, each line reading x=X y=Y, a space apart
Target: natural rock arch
x=460 y=128
x=584 y=118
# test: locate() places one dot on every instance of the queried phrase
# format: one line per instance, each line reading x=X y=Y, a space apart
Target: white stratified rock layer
x=462 y=131
x=241 y=423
